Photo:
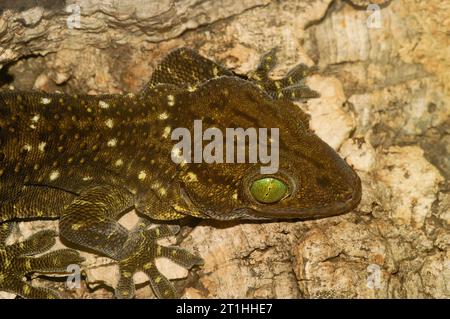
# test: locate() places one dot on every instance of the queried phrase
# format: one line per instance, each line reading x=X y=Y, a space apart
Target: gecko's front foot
x=16 y=261
x=292 y=86
x=144 y=250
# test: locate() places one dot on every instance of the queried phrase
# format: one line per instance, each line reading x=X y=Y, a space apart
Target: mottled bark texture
x=384 y=83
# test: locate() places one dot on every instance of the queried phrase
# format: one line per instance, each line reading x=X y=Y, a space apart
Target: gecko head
x=302 y=178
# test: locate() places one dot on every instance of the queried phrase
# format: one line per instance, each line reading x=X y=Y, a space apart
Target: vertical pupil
x=268 y=190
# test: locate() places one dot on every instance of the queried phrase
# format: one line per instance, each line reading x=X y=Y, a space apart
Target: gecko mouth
x=332 y=209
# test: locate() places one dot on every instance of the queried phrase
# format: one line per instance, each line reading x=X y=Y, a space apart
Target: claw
x=266 y=64
x=290 y=87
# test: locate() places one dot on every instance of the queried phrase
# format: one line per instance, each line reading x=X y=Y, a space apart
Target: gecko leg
x=292 y=86
x=91 y=221
x=17 y=260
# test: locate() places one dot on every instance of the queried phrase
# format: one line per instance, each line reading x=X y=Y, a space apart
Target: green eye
x=268 y=190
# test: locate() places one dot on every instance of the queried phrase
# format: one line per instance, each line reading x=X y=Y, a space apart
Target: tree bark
x=384 y=84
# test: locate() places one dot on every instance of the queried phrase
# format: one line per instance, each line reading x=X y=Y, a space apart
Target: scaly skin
x=88 y=159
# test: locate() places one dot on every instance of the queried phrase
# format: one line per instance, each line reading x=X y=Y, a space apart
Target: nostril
x=348 y=195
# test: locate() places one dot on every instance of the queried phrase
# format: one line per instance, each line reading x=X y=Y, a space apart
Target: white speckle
x=103 y=104
x=41 y=146
x=192 y=88
x=235 y=196
x=162 y=191
x=130 y=95
x=45 y=100
x=155 y=185
x=170 y=100
x=142 y=175
x=112 y=142
x=163 y=116
x=35 y=118
x=54 y=175
x=87 y=178
x=119 y=162
x=166 y=132
x=27 y=147
x=109 y=123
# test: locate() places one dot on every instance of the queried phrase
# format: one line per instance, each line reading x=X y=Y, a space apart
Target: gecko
x=87 y=160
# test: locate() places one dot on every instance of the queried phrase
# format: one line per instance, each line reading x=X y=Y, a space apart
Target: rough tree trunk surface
x=384 y=106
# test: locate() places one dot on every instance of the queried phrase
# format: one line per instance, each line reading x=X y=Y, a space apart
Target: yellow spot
x=76 y=226
x=41 y=146
x=35 y=118
x=45 y=100
x=103 y=104
x=155 y=185
x=109 y=123
x=26 y=290
x=27 y=147
x=190 y=177
x=126 y=274
x=183 y=163
x=119 y=162
x=180 y=209
x=54 y=175
x=170 y=100
x=256 y=77
x=27 y=264
x=89 y=110
x=192 y=88
x=112 y=142
x=142 y=175
x=166 y=132
x=87 y=178
x=235 y=196
x=158 y=279
x=163 y=116
x=278 y=85
x=162 y=191
x=158 y=251
x=215 y=71
x=148 y=266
